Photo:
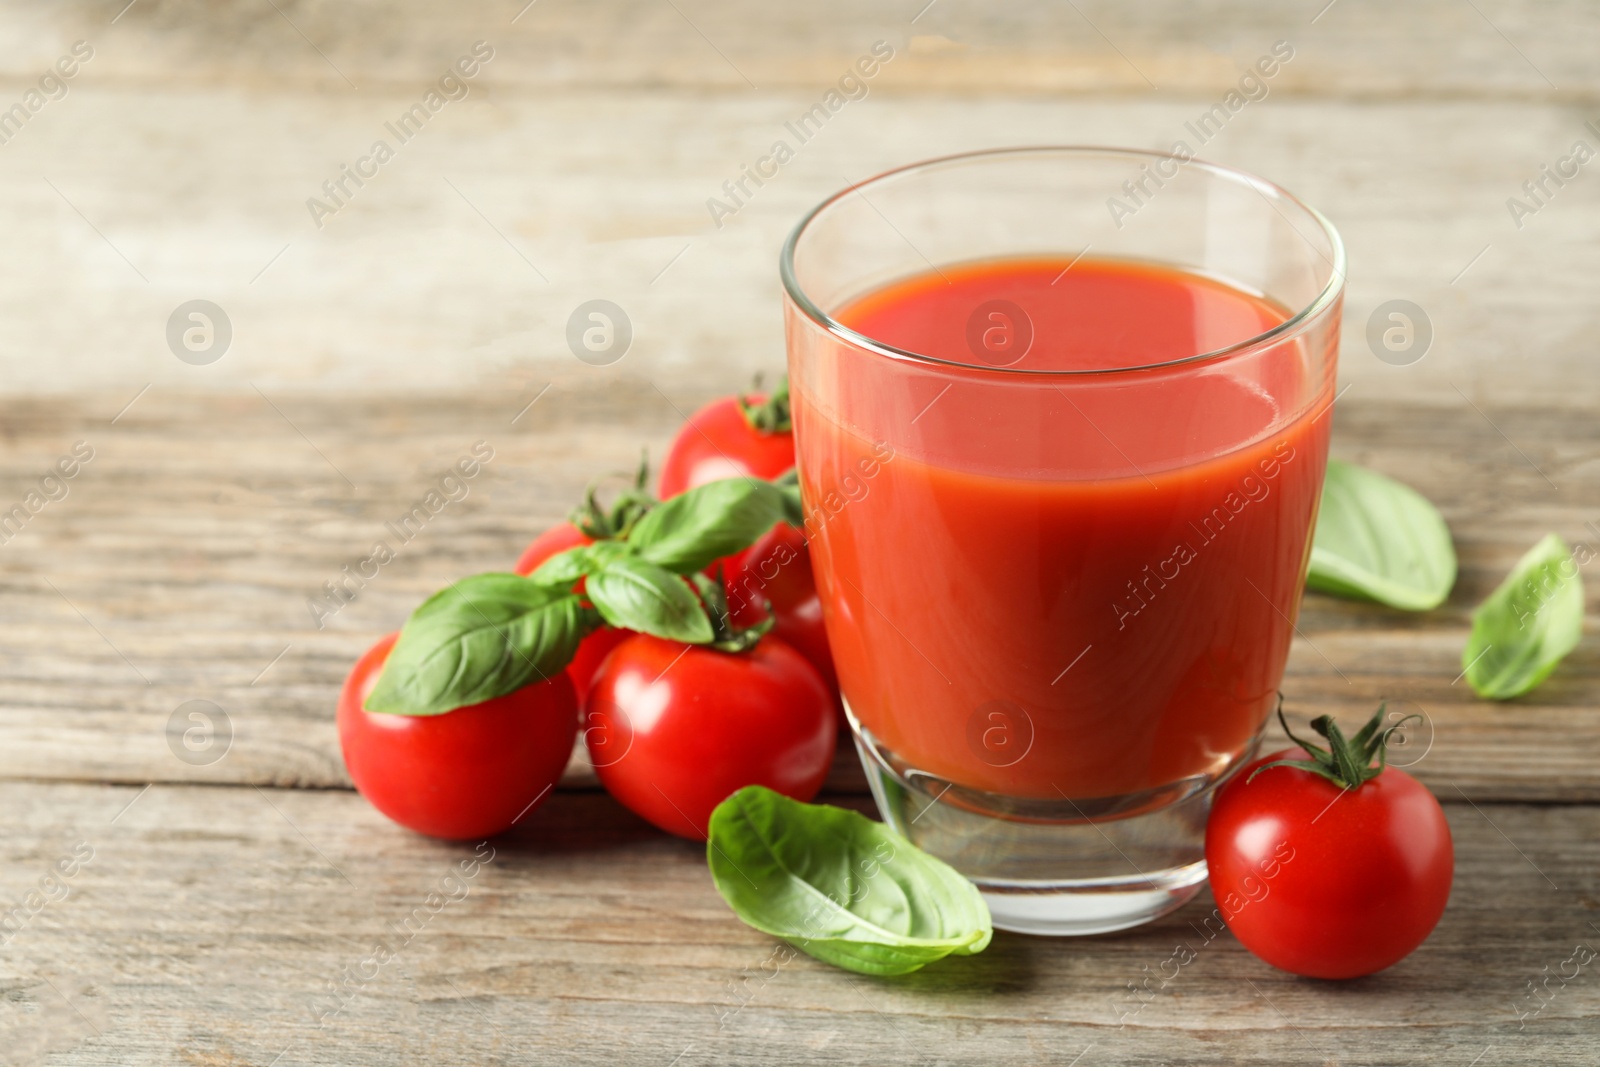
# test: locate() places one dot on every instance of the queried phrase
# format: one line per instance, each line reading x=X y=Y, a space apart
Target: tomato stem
x=770 y=416
x=631 y=504
x=728 y=637
x=1346 y=762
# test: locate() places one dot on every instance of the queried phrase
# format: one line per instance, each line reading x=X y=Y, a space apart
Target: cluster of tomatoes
x=672 y=729
x=1323 y=860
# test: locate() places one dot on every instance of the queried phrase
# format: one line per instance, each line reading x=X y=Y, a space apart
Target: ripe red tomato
x=777 y=569
x=1327 y=882
x=674 y=729
x=592 y=650
x=469 y=773
x=718 y=442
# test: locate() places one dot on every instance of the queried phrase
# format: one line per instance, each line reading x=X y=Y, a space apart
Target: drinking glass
x=1060 y=592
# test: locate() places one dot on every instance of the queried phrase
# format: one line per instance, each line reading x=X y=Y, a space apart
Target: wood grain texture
x=1360 y=48
x=217 y=905
x=209 y=921
x=180 y=164
x=181 y=563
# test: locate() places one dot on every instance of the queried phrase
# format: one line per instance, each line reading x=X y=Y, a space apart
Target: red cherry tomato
x=777 y=569
x=592 y=650
x=469 y=773
x=1327 y=882
x=718 y=442
x=673 y=730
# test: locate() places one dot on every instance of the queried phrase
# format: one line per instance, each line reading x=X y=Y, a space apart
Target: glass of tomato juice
x=1061 y=417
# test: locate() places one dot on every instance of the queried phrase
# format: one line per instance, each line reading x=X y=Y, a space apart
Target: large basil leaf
x=633 y=594
x=1379 y=540
x=481 y=638
x=839 y=886
x=694 y=529
x=1528 y=624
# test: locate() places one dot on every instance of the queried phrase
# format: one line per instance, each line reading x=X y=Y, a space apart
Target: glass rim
x=1290 y=327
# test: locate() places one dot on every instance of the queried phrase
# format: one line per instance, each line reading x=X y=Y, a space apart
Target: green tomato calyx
x=600 y=524
x=771 y=415
x=729 y=637
x=1346 y=762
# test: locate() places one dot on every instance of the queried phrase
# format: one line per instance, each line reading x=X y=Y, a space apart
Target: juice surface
x=1089 y=314
x=1015 y=630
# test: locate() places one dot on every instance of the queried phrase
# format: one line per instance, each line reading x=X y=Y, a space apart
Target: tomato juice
x=1061 y=585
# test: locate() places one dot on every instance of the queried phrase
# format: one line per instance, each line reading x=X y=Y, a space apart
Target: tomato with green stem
x=674 y=729
x=1325 y=864
x=731 y=437
x=467 y=774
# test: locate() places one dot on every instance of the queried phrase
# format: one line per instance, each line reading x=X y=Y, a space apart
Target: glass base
x=1089 y=906
x=1054 y=867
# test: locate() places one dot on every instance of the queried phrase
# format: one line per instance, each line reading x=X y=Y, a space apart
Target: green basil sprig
x=1377 y=539
x=839 y=886
x=481 y=638
x=492 y=634
x=1527 y=625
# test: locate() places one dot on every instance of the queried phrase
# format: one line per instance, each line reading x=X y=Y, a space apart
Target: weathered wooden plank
x=194 y=538
x=1358 y=47
x=466 y=254
x=191 y=541
x=209 y=921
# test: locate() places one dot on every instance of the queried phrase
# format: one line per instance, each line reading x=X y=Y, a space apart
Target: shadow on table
x=577 y=822
x=1007 y=966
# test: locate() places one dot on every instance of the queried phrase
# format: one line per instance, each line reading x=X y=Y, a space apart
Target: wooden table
x=211 y=906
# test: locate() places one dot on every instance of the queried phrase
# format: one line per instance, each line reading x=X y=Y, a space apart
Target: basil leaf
x=839 y=886
x=633 y=594
x=1528 y=624
x=481 y=638
x=565 y=568
x=1379 y=540
x=694 y=529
